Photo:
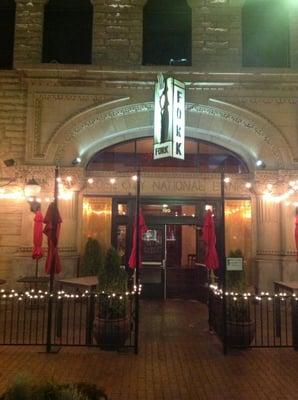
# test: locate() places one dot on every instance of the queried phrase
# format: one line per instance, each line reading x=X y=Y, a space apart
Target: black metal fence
x=254 y=321
x=92 y=319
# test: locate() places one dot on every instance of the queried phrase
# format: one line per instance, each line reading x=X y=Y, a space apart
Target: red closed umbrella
x=132 y=262
x=37 y=252
x=209 y=237
x=53 y=222
x=296 y=235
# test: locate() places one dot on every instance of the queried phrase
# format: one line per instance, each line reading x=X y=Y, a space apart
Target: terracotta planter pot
x=111 y=334
x=240 y=333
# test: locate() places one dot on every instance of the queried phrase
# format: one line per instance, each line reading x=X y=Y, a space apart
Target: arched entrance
x=174 y=197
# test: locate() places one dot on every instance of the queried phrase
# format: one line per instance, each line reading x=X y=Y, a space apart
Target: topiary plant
x=111 y=327
x=112 y=279
x=92 y=258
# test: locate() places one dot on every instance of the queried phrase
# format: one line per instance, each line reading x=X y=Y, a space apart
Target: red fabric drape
x=37 y=252
x=209 y=237
x=296 y=235
x=53 y=222
x=132 y=262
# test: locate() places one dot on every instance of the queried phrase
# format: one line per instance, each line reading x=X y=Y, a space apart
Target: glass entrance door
x=152 y=271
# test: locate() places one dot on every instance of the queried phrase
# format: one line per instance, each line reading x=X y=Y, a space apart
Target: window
x=265 y=33
x=167 y=33
x=67 y=37
x=199 y=156
x=7 y=23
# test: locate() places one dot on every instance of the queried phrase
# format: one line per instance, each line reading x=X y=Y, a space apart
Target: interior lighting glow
x=112 y=181
x=90 y=181
x=134 y=178
x=227 y=179
x=267 y=196
x=248 y=185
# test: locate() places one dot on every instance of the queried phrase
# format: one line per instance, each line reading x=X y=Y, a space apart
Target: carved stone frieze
x=165 y=184
x=228 y=116
x=45 y=175
x=74 y=129
x=45 y=104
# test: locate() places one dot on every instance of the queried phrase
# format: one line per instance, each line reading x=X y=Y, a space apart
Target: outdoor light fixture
x=178 y=61
x=260 y=164
x=9 y=163
x=31 y=191
x=77 y=161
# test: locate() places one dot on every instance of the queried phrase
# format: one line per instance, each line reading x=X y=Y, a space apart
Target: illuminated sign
x=169 y=118
x=234 y=264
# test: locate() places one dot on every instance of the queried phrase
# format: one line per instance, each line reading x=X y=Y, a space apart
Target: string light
x=35 y=295
x=247 y=295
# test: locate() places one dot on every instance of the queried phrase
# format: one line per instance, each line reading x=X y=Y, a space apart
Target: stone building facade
x=50 y=113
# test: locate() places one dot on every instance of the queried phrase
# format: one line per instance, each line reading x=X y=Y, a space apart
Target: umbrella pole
x=36 y=268
x=137 y=262
x=52 y=272
x=222 y=195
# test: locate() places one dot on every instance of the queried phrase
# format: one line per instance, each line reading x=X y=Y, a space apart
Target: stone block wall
x=216 y=34
x=13 y=102
x=28 y=32
x=117 y=32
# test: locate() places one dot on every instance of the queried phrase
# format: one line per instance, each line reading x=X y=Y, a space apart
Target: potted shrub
x=92 y=258
x=240 y=328
x=111 y=327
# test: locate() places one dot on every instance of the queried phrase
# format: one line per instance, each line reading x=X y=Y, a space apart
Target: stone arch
x=241 y=131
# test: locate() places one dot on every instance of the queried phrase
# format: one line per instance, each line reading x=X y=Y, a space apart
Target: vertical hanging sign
x=169 y=118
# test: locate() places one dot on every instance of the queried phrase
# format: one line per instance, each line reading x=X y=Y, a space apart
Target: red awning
x=142 y=229
x=209 y=237
x=52 y=229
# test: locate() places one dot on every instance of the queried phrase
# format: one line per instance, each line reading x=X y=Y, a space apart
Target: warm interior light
x=32 y=188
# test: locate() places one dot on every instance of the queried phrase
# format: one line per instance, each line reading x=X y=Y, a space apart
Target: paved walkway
x=178 y=360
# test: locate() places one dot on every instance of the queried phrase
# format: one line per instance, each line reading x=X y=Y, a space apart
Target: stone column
x=117 y=32
x=289 y=263
x=28 y=32
x=216 y=33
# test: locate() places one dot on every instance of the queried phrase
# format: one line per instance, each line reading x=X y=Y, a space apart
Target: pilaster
x=28 y=32
x=117 y=32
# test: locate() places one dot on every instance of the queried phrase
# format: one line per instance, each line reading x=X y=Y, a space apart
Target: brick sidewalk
x=178 y=360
